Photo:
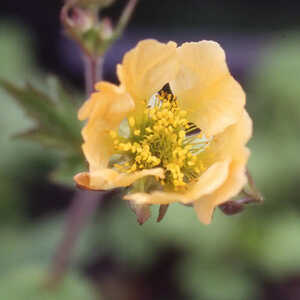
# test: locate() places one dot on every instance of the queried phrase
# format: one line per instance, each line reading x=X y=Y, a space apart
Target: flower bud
x=81 y=20
x=231 y=207
x=106 y=29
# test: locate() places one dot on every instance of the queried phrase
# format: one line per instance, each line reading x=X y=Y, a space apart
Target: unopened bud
x=106 y=29
x=231 y=207
x=81 y=20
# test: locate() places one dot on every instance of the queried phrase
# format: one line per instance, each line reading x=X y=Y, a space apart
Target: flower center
x=162 y=137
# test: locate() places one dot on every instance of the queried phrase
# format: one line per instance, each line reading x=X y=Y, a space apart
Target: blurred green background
x=253 y=255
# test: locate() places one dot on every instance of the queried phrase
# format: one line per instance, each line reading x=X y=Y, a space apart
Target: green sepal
x=142 y=211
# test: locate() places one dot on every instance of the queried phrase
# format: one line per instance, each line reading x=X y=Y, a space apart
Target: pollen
x=162 y=139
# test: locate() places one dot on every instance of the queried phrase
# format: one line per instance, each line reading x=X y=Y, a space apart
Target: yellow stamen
x=160 y=139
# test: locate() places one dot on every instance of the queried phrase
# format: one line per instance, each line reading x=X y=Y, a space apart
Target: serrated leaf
x=56 y=122
x=42 y=137
x=57 y=126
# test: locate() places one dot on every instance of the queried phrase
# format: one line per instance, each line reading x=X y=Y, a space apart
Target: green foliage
x=54 y=114
x=36 y=244
x=18 y=158
x=28 y=282
x=57 y=125
x=223 y=261
x=25 y=255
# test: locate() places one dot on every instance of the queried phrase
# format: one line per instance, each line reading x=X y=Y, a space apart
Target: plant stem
x=125 y=17
x=84 y=203
x=256 y=194
x=93 y=69
x=83 y=206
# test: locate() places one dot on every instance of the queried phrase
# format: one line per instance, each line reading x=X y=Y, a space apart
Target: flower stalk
x=80 y=20
x=94 y=34
x=93 y=69
x=83 y=206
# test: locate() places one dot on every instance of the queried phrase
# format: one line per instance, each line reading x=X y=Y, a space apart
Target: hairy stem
x=83 y=206
x=84 y=203
x=125 y=17
x=93 y=68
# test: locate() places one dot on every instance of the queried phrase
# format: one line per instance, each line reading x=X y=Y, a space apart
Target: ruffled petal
x=107 y=107
x=158 y=197
x=208 y=182
x=232 y=140
x=232 y=186
x=205 y=88
x=231 y=143
x=147 y=68
x=108 y=179
x=97 y=149
x=105 y=110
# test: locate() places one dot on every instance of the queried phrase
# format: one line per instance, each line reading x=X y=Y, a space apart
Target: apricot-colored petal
x=97 y=149
x=82 y=180
x=109 y=107
x=204 y=210
x=87 y=108
x=205 y=88
x=105 y=179
x=157 y=197
x=105 y=110
x=147 y=68
x=232 y=140
x=232 y=186
x=210 y=180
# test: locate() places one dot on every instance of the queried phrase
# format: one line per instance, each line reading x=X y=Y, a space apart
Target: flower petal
x=105 y=179
x=97 y=149
x=210 y=180
x=232 y=186
x=232 y=140
x=155 y=198
x=147 y=68
x=105 y=110
x=205 y=88
x=107 y=107
x=231 y=143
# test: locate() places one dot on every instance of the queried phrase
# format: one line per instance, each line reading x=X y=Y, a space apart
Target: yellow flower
x=175 y=129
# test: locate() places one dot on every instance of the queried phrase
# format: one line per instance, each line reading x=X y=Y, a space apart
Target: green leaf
x=57 y=124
